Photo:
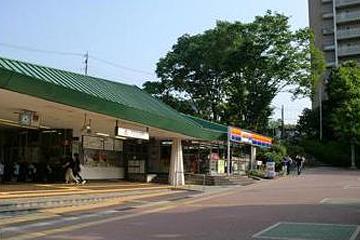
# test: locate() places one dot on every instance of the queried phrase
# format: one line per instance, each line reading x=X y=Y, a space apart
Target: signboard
x=241 y=136
x=118 y=145
x=130 y=133
x=92 y=142
x=108 y=144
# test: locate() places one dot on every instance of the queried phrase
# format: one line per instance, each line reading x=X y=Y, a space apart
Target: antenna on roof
x=86 y=62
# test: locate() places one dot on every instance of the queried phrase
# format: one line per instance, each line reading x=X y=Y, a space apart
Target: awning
x=98 y=95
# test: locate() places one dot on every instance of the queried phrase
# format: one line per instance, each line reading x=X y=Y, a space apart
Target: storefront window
x=102 y=151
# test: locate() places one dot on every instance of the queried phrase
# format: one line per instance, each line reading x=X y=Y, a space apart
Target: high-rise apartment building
x=336 y=25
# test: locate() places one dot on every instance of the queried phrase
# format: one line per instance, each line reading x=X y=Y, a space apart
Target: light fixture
x=166 y=143
x=120 y=137
x=102 y=134
x=86 y=126
x=49 y=131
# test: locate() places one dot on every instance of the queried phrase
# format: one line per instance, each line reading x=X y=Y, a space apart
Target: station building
x=119 y=131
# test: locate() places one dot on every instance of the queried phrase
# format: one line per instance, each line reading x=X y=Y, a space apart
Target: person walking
x=299 y=161
x=2 y=171
x=288 y=162
x=69 y=175
x=77 y=168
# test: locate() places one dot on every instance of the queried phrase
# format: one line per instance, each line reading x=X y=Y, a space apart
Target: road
x=323 y=203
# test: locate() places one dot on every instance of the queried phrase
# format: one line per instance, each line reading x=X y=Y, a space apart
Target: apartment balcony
x=330 y=64
x=348 y=17
x=348 y=33
x=327 y=48
x=328 y=31
x=327 y=15
x=349 y=51
x=346 y=3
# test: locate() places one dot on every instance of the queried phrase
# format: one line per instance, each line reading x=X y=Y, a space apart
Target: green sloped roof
x=212 y=126
x=98 y=95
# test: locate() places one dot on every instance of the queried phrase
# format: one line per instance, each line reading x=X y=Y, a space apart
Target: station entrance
x=33 y=155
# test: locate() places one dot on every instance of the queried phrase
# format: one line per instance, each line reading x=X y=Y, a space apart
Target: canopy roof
x=98 y=95
x=211 y=126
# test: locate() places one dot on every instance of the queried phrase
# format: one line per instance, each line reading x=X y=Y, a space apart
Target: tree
x=344 y=97
x=315 y=61
x=231 y=73
x=162 y=92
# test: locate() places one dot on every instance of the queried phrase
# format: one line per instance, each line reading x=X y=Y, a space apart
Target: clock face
x=25 y=118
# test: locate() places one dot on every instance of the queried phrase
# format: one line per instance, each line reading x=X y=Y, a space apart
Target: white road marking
x=340 y=201
x=355 y=234
x=351 y=187
x=325 y=200
x=257 y=235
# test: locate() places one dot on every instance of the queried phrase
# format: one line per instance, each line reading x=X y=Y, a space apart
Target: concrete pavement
x=324 y=203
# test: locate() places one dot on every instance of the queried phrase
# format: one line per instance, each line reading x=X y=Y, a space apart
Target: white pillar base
x=176 y=171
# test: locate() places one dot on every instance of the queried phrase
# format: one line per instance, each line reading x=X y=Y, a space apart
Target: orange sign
x=241 y=136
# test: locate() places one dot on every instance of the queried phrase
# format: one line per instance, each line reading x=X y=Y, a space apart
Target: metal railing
x=329 y=47
x=348 y=33
x=327 y=15
x=340 y=3
x=327 y=31
x=351 y=50
x=346 y=17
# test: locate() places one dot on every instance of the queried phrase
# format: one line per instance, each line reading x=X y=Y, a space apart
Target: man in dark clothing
x=76 y=168
x=299 y=161
x=287 y=161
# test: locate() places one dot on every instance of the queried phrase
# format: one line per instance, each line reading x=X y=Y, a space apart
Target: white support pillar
x=253 y=158
x=228 y=159
x=176 y=171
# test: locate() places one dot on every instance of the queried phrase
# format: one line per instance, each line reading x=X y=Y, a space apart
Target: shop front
x=120 y=132
x=31 y=155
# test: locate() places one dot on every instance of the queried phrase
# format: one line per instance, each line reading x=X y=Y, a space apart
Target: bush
x=276 y=153
x=294 y=149
x=333 y=153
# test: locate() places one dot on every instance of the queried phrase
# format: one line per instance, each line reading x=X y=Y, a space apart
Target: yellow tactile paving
x=70 y=192
x=53 y=212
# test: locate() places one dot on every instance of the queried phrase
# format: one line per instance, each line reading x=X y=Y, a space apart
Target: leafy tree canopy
x=344 y=98
x=232 y=72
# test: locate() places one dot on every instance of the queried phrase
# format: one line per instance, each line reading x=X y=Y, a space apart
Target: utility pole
x=86 y=62
x=320 y=113
x=282 y=122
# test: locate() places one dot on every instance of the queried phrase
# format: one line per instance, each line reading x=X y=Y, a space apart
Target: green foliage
x=309 y=123
x=276 y=153
x=318 y=65
x=232 y=72
x=334 y=153
x=257 y=173
x=161 y=91
x=295 y=149
x=344 y=97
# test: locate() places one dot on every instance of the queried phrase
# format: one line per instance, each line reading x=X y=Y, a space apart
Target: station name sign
x=240 y=136
x=130 y=133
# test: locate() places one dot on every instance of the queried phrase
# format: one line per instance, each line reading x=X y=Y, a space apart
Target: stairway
x=201 y=179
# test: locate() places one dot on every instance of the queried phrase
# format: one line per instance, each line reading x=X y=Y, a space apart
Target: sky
x=130 y=34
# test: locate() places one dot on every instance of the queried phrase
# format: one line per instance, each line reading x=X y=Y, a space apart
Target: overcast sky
x=133 y=34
